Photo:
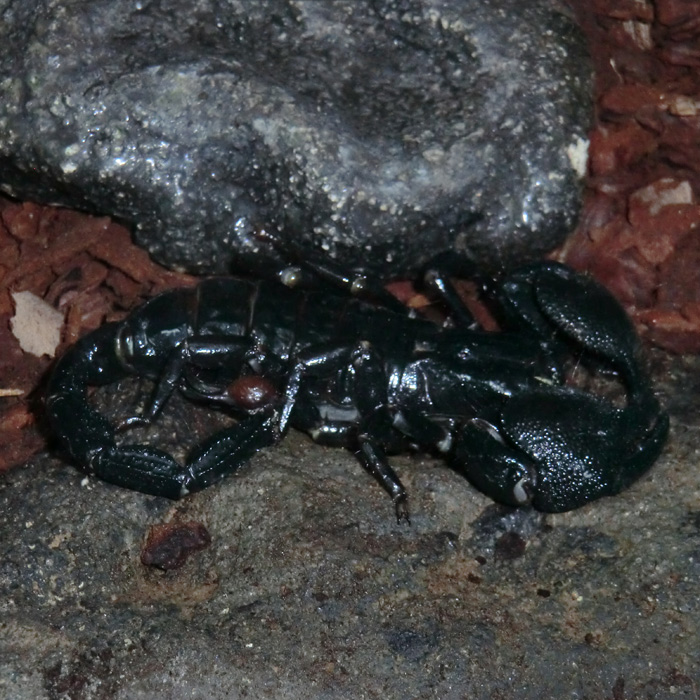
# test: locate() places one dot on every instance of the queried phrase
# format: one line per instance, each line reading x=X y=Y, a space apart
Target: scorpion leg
x=423 y=431
x=373 y=459
x=376 y=427
x=437 y=277
x=314 y=363
x=369 y=429
x=368 y=451
x=311 y=271
x=438 y=274
x=200 y=352
x=441 y=285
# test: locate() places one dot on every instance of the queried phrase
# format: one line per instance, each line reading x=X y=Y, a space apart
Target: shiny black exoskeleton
x=356 y=370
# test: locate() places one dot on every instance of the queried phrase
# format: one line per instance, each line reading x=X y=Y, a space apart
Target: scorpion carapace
x=342 y=360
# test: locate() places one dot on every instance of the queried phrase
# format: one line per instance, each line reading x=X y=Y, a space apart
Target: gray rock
x=372 y=130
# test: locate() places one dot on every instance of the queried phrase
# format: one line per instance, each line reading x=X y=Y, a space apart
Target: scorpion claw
x=560 y=448
x=584 y=447
x=496 y=468
x=588 y=314
x=552 y=297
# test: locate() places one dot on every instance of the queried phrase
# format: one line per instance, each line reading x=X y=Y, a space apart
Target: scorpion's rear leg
x=383 y=427
x=88 y=436
x=310 y=271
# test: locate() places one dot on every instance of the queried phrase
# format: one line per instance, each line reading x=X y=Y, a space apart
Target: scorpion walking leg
x=441 y=285
x=311 y=272
x=376 y=425
x=437 y=277
x=201 y=352
x=423 y=431
x=374 y=460
x=307 y=364
x=373 y=430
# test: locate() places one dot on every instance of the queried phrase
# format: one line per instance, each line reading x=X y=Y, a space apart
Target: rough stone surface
x=371 y=130
x=310 y=589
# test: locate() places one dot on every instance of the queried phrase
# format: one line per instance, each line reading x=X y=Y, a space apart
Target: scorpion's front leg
x=88 y=436
x=376 y=427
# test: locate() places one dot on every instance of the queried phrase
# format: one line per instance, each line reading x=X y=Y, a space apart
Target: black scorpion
x=342 y=360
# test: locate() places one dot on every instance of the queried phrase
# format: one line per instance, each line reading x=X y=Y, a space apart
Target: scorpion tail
x=88 y=437
x=140 y=468
x=224 y=452
x=82 y=430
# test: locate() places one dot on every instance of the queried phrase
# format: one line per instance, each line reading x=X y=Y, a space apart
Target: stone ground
x=309 y=588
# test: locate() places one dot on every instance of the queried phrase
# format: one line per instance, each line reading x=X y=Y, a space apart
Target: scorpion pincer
x=357 y=370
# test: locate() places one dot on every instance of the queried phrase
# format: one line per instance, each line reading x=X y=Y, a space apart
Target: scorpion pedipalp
x=565 y=446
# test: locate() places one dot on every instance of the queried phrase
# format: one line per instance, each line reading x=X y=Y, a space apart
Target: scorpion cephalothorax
x=339 y=358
